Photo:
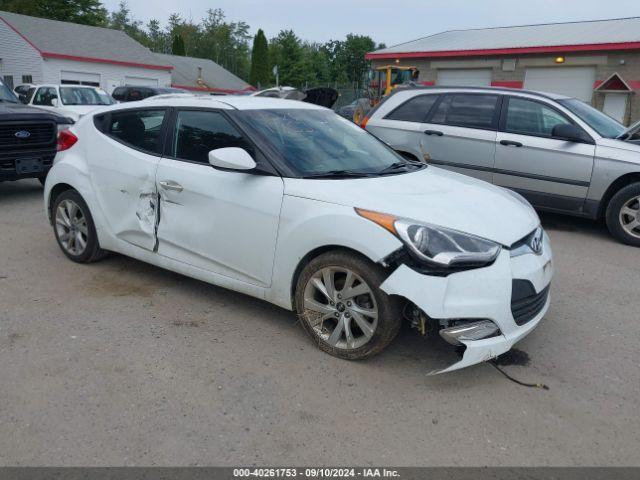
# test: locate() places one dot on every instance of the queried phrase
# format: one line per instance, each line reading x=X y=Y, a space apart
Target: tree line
x=229 y=43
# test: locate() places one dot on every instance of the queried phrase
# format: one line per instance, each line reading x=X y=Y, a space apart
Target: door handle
x=171 y=185
x=433 y=132
x=510 y=143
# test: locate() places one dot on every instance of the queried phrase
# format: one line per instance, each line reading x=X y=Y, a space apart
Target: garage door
x=141 y=81
x=465 y=78
x=574 y=82
x=79 y=78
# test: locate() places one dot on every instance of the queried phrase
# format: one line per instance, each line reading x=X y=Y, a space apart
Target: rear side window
x=119 y=93
x=140 y=129
x=528 y=117
x=45 y=96
x=199 y=132
x=467 y=110
x=415 y=109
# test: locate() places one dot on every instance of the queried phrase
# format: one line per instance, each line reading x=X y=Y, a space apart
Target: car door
x=402 y=128
x=460 y=133
x=222 y=221
x=124 y=159
x=549 y=172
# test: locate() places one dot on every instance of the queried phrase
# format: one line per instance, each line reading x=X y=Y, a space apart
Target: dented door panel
x=125 y=187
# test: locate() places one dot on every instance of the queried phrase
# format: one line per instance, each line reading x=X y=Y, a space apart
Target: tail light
x=66 y=140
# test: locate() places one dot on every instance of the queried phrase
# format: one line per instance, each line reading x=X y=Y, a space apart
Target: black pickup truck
x=28 y=138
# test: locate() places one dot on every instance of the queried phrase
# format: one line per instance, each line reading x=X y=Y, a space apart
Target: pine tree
x=178 y=46
x=260 y=72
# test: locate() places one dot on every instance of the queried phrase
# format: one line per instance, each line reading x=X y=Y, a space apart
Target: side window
x=119 y=94
x=415 y=109
x=467 y=110
x=528 y=117
x=134 y=94
x=29 y=94
x=140 y=129
x=199 y=132
x=44 y=96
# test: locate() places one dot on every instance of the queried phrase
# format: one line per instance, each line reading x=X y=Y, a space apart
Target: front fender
x=307 y=225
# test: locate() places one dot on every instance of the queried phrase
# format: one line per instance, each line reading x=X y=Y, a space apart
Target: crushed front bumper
x=483 y=293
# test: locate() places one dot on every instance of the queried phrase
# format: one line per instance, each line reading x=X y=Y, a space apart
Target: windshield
x=601 y=123
x=85 y=96
x=6 y=95
x=316 y=143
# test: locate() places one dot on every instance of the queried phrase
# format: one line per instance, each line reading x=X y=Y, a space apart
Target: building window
x=8 y=81
x=27 y=78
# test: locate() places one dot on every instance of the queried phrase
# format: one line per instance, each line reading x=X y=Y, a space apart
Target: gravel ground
x=122 y=363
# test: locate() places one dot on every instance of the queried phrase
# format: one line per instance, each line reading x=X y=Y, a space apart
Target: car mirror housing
x=232 y=158
x=54 y=102
x=570 y=133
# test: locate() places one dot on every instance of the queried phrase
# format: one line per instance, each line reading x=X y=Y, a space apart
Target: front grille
x=525 y=302
x=39 y=134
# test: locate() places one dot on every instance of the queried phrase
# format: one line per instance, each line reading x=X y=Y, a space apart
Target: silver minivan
x=558 y=152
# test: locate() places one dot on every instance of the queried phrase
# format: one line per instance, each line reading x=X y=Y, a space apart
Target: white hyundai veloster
x=290 y=203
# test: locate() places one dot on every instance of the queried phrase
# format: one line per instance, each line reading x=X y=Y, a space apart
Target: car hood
x=20 y=111
x=629 y=148
x=433 y=196
x=323 y=96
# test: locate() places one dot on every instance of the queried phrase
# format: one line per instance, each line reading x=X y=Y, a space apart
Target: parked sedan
x=72 y=101
x=558 y=152
x=290 y=203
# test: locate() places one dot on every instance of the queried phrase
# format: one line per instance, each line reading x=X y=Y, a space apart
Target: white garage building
x=37 y=50
x=597 y=61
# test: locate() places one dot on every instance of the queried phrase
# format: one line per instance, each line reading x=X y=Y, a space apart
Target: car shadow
x=409 y=354
x=568 y=223
x=20 y=190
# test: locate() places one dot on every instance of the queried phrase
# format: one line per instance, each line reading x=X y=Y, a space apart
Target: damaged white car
x=288 y=202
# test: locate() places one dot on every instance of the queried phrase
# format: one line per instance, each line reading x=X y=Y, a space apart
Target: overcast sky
x=388 y=21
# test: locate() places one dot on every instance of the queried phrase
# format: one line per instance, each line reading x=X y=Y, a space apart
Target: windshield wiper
x=338 y=174
x=399 y=165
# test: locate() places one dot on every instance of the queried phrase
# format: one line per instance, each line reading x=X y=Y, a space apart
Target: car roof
x=503 y=90
x=54 y=85
x=228 y=102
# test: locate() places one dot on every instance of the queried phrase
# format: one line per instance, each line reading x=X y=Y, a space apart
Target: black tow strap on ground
x=514 y=380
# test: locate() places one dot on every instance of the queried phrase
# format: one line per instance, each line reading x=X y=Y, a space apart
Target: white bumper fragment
x=483 y=293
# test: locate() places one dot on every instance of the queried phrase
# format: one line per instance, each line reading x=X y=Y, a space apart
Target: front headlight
x=437 y=246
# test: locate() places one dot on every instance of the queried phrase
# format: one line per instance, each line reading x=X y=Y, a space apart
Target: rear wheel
x=340 y=304
x=623 y=215
x=74 y=228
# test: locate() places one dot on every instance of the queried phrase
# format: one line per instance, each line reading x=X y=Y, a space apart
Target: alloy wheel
x=630 y=217
x=340 y=307
x=71 y=227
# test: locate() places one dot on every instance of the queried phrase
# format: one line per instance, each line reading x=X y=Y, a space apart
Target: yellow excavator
x=382 y=81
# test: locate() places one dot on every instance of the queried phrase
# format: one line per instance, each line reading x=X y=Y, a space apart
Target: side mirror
x=570 y=133
x=232 y=158
x=54 y=102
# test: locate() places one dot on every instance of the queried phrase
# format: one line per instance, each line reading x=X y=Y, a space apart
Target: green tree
x=121 y=20
x=86 y=12
x=177 y=48
x=260 y=75
x=286 y=51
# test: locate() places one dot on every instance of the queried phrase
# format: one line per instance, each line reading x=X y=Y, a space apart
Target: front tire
x=340 y=304
x=74 y=228
x=623 y=215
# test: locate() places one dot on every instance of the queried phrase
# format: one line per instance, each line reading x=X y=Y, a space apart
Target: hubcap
x=340 y=307
x=71 y=227
x=630 y=217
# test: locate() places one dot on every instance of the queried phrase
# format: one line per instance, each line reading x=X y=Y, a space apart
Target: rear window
x=140 y=129
x=415 y=109
x=467 y=110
